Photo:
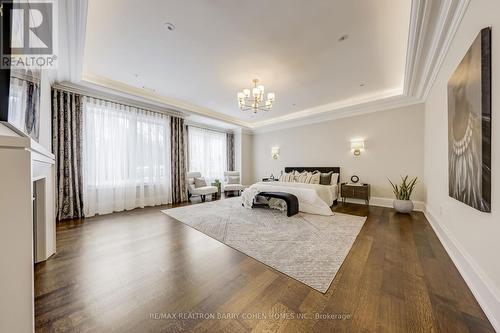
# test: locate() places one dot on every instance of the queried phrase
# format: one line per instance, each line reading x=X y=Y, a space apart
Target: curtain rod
x=125 y=101
x=25 y=78
x=210 y=128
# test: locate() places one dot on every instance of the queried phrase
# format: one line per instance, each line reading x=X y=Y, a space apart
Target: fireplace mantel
x=23 y=163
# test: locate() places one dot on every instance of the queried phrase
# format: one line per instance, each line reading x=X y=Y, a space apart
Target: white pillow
x=199 y=182
x=335 y=179
x=289 y=176
x=315 y=178
x=296 y=175
x=233 y=180
x=284 y=177
x=308 y=177
x=301 y=177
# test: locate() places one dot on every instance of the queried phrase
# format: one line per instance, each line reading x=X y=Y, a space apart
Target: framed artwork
x=469 y=126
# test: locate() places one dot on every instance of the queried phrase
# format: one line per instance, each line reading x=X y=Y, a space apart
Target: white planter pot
x=403 y=206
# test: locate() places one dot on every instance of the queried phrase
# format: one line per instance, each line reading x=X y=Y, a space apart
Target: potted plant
x=403 y=192
x=218 y=184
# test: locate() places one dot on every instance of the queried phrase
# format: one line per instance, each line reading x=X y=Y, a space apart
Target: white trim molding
x=208 y=127
x=427 y=48
x=433 y=26
x=318 y=115
x=135 y=92
x=87 y=90
x=419 y=206
x=485 y=292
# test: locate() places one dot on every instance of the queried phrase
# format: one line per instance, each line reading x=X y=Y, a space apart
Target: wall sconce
x=275 y=153
x=357 y=146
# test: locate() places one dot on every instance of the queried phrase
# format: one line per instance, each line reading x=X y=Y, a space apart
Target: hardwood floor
x=142 y=271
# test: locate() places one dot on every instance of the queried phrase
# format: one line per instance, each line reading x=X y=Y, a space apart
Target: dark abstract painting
x=469 y=126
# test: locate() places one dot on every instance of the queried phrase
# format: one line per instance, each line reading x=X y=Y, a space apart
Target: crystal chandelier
x=254 y=99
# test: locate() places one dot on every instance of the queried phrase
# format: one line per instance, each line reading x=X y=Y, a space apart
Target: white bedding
x=313 y=198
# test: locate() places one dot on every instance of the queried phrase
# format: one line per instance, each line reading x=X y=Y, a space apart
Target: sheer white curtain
x=126 y=158
x=207 y=152
x=18 y=98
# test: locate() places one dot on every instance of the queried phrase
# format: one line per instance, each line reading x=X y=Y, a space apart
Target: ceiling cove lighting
x=253 y=99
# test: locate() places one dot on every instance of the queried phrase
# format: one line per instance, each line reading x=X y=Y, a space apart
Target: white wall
x=45 y=112
x=393 y=141
x=471 y=237
x=247 y=156
x=237 y=150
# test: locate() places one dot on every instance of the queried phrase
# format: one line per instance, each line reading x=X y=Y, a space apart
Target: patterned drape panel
x=67 y=147
x=179 y=164
x=230 y=151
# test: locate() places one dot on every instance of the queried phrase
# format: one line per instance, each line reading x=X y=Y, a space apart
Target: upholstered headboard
x=311 y=169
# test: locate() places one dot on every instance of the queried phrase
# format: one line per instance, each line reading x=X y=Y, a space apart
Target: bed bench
x=292 y=203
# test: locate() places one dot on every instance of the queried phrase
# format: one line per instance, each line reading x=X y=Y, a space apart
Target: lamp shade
x=275 y=153
x=357 y=145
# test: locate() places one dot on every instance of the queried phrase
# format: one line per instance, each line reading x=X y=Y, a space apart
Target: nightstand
x=269 y=180
x=355 y=192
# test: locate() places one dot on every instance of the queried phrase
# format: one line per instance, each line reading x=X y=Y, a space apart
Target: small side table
x=269 y=180
x=217 y=195
x=355 y=192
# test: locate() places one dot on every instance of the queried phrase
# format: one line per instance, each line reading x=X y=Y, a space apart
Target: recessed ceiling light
x=343 y=38
x=361 y=84
x=169 y=26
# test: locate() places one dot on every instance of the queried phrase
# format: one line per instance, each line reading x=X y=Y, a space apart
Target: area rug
x=309 y=248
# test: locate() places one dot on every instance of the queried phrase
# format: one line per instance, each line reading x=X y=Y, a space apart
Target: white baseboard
x=487 y=295
x=386 y=202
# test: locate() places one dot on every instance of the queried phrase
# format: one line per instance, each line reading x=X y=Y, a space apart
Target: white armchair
x=202 y=191
x=232 y=182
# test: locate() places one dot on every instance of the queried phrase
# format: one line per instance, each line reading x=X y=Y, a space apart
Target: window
x=18 y=97
x=126 y=159
x=207 y=152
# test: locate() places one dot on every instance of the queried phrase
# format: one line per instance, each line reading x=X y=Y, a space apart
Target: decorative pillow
x=301 y=178
x=335 y=179
x=233 y=180
x=289 y=177
x=200 y=182
x=315 y=178
x=296 y=175
x=282 y=177
x=326 y=178
x=308 y=177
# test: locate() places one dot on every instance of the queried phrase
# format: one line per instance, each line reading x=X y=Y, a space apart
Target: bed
x=313 y=198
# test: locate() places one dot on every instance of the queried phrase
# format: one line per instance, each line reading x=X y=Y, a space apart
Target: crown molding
x=426 y=50
x=428 y=47
x=170 y=103
x=417 y=29
x=208 y=127
x=449 y=26
x=321 y=110
x=90 y=91
x=383 y=104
